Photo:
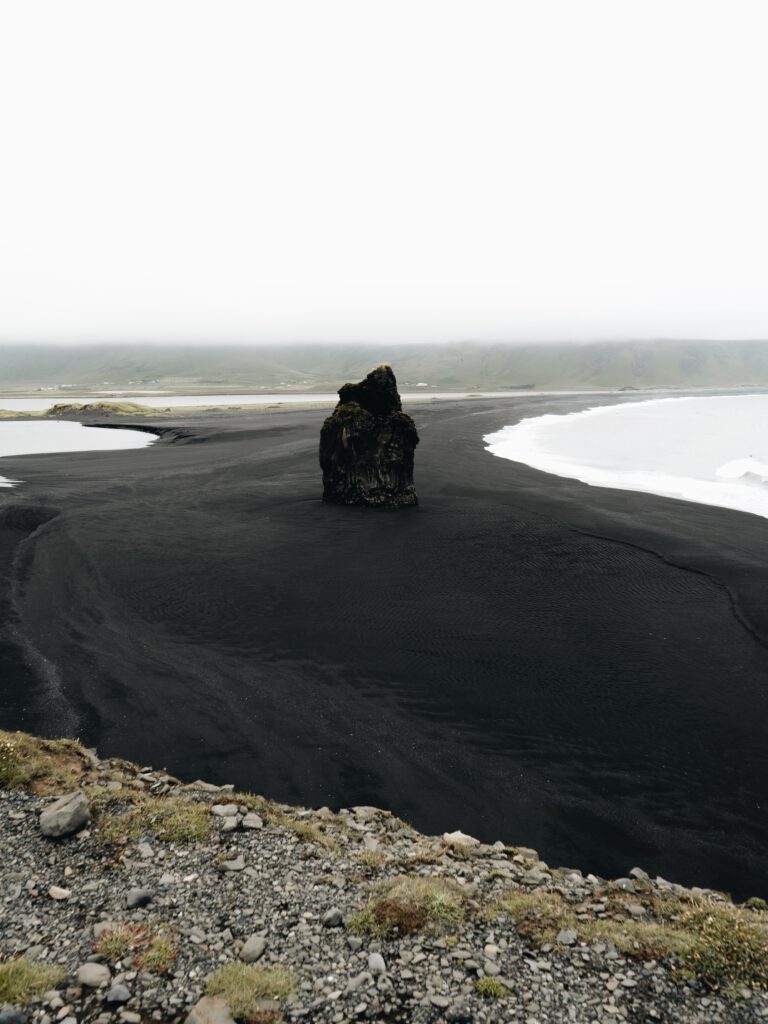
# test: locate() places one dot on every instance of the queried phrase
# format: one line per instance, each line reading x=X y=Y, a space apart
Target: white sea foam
x=35 y=437
x=708 y=450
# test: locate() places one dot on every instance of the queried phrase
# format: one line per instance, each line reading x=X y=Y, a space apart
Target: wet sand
x=522 y=656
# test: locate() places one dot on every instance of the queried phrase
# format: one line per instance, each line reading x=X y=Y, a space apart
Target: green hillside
x=459 y=365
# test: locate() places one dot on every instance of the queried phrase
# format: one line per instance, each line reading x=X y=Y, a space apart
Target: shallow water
x=20 y=437
x=711 y=450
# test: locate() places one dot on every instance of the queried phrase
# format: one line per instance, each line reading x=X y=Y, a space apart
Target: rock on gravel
x=118 y=994
x=210 y=1010
x=333 y=918
x=93 y=975
x=253 y=949
x=138 y=898
x=65 y=816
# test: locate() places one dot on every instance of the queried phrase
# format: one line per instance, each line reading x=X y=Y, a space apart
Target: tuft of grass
x=756 y=903
x=159 y=954
x=721 y=945
x=115 y=943
x=42 y=766
x=245 y=985
x=171 y=819
x=370 y=862
x=408 y=904
x=22 y=979
x=153 y=951
x=491 y=988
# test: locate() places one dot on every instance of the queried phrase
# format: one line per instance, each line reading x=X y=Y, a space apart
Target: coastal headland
x=522 y=657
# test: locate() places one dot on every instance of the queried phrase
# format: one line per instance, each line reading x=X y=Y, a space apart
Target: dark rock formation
x=367 y=445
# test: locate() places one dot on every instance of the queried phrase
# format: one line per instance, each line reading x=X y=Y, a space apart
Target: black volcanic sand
x=522 y=656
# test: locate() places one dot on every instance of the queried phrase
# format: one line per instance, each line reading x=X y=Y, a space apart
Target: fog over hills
x=459 y=365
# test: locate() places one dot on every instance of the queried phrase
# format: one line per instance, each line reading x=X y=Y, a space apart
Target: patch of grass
x=245 y=985
x=371 y=861
x=159 y=954
x=153 y=951
x=756 y=903
x=719 y=944
x=491 y=988
x=728 y=948
x=42 y=766
x=115 y=943
x=410 y=903
x=23 y=979
x=171 y=819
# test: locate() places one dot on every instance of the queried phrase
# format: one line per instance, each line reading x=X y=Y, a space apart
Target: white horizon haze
x=355 y=171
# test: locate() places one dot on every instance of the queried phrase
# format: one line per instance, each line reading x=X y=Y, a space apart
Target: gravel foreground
x=287 y=894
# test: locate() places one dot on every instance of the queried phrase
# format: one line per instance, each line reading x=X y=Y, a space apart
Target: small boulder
x=460 y=839
x=565 y=937
x=253 y=949
x=65 y=816
x=118 y=994
x=93 y=975
x=138 y=898
x=376 y=964
x=210 y=1010
x=12 y=1015
x=333 y=918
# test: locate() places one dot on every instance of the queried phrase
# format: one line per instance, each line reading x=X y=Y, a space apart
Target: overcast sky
x=383 y=169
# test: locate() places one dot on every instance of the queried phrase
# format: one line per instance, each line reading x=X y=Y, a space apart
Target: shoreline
x=375 y=733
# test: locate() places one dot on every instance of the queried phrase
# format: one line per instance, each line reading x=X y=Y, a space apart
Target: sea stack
x=367 y=445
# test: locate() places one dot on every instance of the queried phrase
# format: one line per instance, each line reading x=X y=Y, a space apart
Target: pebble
x=57 y=893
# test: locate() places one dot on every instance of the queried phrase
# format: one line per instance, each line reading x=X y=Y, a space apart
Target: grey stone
x=138 y=898
x=625 y=884
x=224 y=810
x=117 y=994
x=12 y=1015
x=371 y=844
x=440 y=1001
x=233 y=865
x=252 y=821
x=253 y=949
x=65 y=816
x=210 y=1010
x=376 y=964
x=566 y=937
x=362 y=980
x=333 y=918
x=93 y=975
x=102 y=926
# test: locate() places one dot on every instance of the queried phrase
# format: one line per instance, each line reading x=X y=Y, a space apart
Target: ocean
x=710 y=450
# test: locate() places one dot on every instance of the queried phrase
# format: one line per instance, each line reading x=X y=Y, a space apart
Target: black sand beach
x=522 y=657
